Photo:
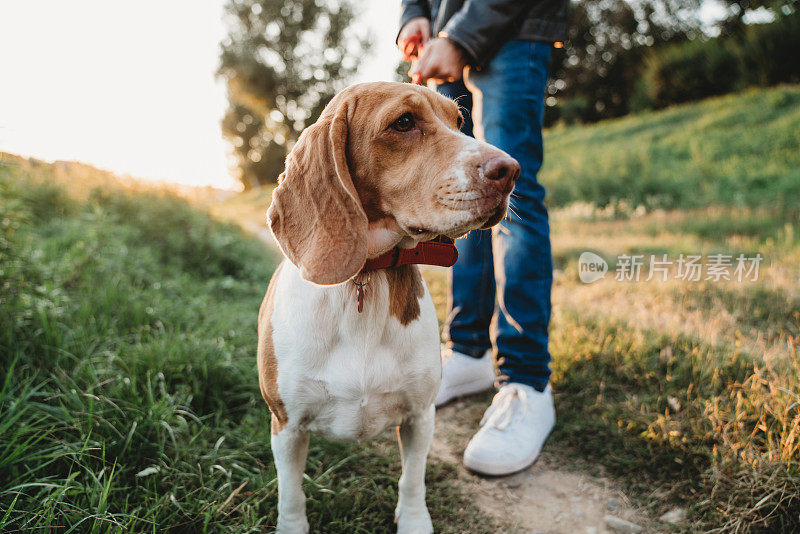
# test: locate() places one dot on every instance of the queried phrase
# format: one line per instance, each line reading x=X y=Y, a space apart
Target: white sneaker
x=512 y=432
x=464 y=375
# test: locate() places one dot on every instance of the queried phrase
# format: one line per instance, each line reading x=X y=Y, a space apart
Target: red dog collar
x=438 y=251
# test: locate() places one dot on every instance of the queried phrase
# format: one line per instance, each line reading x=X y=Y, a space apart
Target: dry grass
x=688 y=393
x=755 y=479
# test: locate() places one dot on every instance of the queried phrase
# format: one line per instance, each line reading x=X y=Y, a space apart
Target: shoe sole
x=495 y=470
x=467 y=388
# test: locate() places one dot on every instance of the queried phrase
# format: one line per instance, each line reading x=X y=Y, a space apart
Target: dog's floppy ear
x=315 y=214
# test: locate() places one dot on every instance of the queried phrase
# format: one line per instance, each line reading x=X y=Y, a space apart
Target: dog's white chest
x=356 y=396
x=348 y=376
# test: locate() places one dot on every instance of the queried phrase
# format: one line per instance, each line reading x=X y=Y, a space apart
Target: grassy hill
x=738 y=150
x=128 y=389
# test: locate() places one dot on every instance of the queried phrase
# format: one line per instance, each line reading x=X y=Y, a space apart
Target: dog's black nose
x=501 y=170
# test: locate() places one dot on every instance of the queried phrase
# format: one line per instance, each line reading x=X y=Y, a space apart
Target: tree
x=282 y=61
x=595 y=74
x=733 y=23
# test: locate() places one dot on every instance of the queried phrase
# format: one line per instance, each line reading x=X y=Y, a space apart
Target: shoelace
x=504 y=406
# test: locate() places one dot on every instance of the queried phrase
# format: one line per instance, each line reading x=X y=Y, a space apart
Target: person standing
x=500 y=291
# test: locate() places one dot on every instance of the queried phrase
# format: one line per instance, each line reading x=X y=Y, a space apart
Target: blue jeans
x=501 y=282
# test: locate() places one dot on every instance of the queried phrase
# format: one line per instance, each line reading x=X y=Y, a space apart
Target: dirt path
x=544 y=498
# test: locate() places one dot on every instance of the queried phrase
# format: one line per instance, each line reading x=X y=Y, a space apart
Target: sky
x=130 y=86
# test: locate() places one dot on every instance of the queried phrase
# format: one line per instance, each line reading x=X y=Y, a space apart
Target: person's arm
x=480 y=26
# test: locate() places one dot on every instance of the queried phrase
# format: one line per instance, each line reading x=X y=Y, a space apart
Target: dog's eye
x=460 y=121
x=404 y=123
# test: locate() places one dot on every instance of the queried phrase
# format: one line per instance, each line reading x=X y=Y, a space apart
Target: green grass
x=736 y=150
x=128 y=391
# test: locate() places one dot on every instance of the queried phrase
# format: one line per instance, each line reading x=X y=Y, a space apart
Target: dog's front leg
x=289 y=450
x=415 y=436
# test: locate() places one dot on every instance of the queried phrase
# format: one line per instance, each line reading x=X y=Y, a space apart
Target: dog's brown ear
x=315 y=214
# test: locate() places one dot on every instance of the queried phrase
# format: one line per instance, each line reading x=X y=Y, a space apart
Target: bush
x=641 y=99
x=768 y=52
x=765 y=55
x=692 y=71
x=567 y=111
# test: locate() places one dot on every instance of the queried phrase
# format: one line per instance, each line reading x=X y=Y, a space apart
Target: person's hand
x=413 y=37
x=443 y=61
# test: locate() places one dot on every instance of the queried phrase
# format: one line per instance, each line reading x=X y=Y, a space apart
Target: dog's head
x=385 y=165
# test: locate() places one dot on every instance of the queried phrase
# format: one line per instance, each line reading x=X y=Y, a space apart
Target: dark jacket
x=481 y=27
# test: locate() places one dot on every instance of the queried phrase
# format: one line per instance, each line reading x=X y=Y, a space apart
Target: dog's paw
x=294 y=525
x=413 y=520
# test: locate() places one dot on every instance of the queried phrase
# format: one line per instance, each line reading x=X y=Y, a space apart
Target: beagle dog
x=346 y=353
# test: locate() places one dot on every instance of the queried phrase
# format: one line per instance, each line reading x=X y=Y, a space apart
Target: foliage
x=128 y=388
x=567 y=111
x=282 y=62
x=628 y=56
x=733 y=22
x=768 y=52
x=692 y=71
x=602 y=57
x=762 y=54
